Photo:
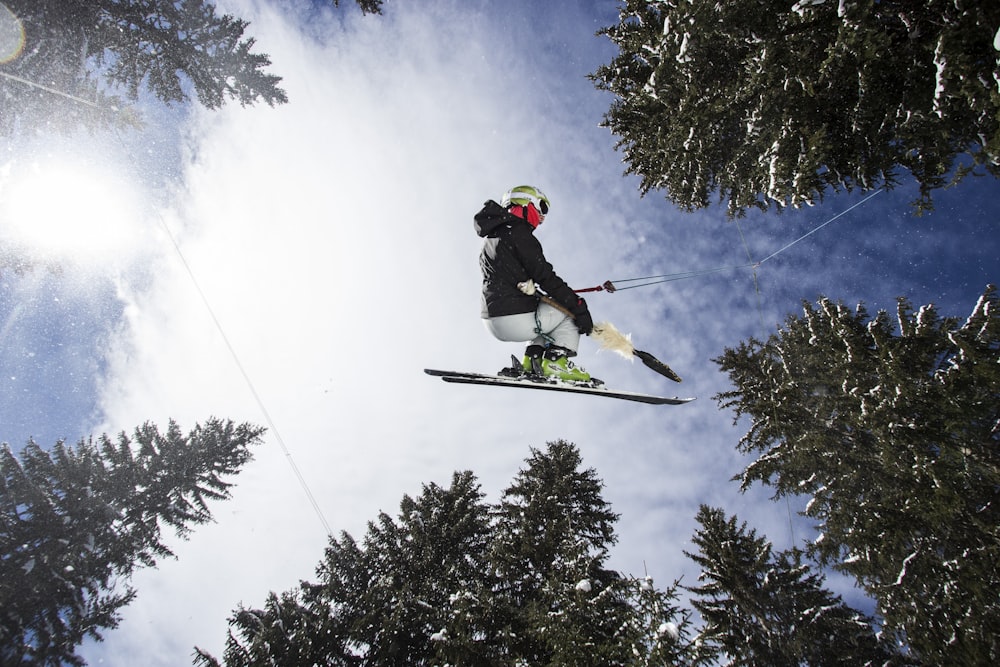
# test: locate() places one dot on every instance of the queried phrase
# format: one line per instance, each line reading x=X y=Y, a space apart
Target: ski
x=548 y=384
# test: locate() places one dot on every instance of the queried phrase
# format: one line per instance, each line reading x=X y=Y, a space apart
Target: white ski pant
x=545 y=325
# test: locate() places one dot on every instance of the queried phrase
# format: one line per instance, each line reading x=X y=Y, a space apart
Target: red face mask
x=529 y=213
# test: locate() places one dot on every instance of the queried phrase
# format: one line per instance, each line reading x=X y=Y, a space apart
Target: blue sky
x=325 y=255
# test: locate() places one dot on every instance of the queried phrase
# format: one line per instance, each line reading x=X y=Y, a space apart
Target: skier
x=514 y=272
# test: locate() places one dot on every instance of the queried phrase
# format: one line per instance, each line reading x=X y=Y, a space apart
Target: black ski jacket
x=511 y=254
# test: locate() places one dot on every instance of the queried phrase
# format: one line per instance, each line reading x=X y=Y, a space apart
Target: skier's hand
x=528 y=287
x=584 y=322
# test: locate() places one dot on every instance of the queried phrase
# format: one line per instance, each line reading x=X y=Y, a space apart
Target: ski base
x=548 y=384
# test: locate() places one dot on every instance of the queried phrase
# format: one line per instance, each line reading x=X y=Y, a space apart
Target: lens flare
x=11 y=35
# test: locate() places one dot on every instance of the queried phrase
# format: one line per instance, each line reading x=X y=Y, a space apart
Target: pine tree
x=770 y=102
x=766 y=608
x=410 y=593
x=656 y=631
x=78 y=55
x=75 y=521
x=453 y=581
x=296 y=628
x=553 y=534
x=895 y=439
x=426 y=572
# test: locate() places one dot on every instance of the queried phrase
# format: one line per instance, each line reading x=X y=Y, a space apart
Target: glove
x=584 y=322
x=528 y=287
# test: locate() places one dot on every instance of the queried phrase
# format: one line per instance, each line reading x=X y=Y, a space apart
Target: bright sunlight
x=69 y=209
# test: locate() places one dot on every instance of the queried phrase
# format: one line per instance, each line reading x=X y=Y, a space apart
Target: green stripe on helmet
x=522 y=195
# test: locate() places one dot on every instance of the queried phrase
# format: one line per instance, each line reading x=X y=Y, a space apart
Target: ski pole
x=606 y=286
x=610 y=338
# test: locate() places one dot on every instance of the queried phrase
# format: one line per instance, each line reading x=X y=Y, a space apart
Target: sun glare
x=66 y=209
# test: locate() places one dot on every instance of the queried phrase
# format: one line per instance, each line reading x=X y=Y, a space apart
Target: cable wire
x=250 y=384
x=813 y=231
x=208 y=306
x=272 y=425
x=645 y=281
x=49 y=89
x=669 y=277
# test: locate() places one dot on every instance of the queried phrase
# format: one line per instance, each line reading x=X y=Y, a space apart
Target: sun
x=66 y=209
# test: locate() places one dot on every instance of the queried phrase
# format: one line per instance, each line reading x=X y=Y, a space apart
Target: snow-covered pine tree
x=896 y=438
x=75 y=521
x=657 y=629
x=92 y=50
x=774 y=102
x=411 y=593
x=429 y=572
x=294 y=628
x=455 y=581
x=765 y=608
x=552 y=535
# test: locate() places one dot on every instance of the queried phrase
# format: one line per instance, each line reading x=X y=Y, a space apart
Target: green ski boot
x=563 y=369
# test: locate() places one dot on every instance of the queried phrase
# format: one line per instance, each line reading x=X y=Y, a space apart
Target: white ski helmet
x=522 y=195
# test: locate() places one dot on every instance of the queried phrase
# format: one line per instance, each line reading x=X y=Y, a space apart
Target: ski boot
x=554 y=363
x=559 y=366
